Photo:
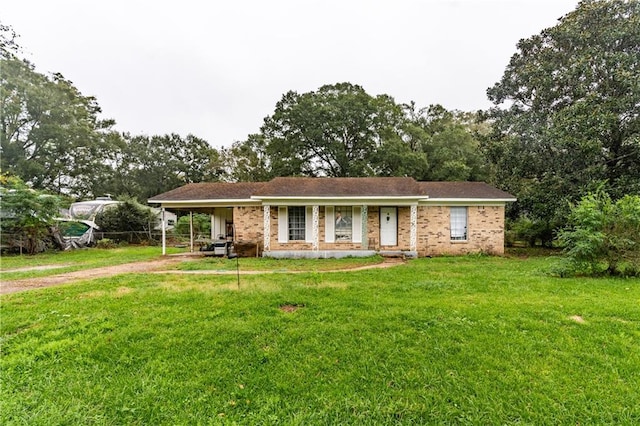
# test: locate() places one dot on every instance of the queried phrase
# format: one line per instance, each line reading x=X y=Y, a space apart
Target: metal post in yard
x=191 y=230
x=164 y=234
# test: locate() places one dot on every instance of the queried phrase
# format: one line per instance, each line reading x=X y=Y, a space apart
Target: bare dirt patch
x=291 y=307
x=577 y=318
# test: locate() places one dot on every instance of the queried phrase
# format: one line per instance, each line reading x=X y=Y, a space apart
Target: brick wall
x=248 y=222
x=303 y=245
x=404 y=229
x=485 y=231
x=373 y=228
x=275 y=245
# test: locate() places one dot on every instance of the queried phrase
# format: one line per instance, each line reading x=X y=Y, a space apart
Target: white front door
x=388 y=226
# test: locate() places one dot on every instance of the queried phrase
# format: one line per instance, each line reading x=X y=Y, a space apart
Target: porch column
x=267 y=227
x=213 y=225
x=413 y=236
x=365 y=235
x=164 y=233
x=191 y=231
x=315 y=232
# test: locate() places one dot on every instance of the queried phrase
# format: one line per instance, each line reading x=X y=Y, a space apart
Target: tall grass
x=473 y=340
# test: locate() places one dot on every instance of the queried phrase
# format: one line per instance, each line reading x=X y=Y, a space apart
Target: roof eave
x=469 y=200
x=203 y=203
x=338 y=200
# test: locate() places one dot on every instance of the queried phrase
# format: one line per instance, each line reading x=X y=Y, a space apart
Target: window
x=296 y=223
x=343 y=223
x=458 y=223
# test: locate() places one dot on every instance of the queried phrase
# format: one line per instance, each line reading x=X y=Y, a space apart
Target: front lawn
x=15 y=267
x=471 y=340
x=277 y=265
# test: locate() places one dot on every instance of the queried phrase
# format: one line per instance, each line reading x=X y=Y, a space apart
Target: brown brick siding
x=485 y=231
x=248 y=223
x=485 y=226
x=303 y=245
x=373 y=227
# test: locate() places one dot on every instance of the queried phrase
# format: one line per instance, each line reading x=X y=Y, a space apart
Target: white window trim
x=283 y=224
x=456 y=214
x=329 y=224
x=356 y=224
x=308 y=224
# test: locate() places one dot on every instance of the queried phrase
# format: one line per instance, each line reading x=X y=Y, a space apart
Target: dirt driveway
x=151 y=266
x=87 y=274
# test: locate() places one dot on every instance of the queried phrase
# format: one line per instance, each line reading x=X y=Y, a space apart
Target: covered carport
x=218 y=199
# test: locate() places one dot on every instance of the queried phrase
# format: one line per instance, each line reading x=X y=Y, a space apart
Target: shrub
x=603 y=236
x=201 y=224
x=529 y=232
x=106 y=243
x=127 y=216
x=26 y=215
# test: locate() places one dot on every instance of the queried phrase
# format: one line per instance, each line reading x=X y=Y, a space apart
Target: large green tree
x=144 y=166
x=340 y=130
x=567 y=115
x=449 y=141
x=51 y=135
x=333 y=131
x=248 y=161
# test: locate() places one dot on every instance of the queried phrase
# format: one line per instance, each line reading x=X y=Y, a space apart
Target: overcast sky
x=215 y=69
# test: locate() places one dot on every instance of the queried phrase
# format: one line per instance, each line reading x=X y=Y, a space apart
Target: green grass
x=276 y=265
x=471 y=340
x=75 y=260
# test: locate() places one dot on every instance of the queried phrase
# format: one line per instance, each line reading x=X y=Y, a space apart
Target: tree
x=201 y=225
x=127 y=216
x=331 y=132
x=450 y=144
x=603 y=236
x=27 y=215
x=248 y=161
x=144 y=166
x=50 y=134
x=340 y=131
x=567 y=115
x=8 y=43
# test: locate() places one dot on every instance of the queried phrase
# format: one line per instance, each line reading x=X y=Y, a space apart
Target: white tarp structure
x=77 y=229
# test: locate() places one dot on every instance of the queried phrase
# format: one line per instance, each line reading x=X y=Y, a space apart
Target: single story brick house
x=334 y=217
